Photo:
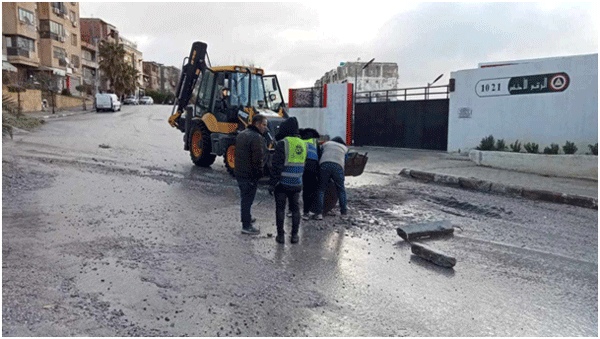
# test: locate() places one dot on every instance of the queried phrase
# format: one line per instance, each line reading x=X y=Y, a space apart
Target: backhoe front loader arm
x=187 y=82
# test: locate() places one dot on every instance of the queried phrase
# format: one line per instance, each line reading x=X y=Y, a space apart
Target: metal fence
x=403 y=94
x=306 y=97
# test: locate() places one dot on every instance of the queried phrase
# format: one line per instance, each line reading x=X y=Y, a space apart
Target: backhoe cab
x=226 y=100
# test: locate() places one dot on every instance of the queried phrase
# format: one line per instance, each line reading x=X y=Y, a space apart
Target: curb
x=52 y=116
x=514 y=191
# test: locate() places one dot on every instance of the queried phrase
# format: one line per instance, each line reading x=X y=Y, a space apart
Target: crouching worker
x=332 y=167
x=286 y=176
x=310 y=178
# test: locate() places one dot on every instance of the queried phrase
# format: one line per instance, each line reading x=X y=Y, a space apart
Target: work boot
x=250 y=230
x=319 y=216
x=253 y=220
x=294 y=238
x=306 y=216
x=280 y=238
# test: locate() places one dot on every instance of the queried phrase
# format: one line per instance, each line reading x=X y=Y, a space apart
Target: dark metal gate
x=421 y=124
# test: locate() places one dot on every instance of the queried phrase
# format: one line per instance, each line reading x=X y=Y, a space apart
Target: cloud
x=443 y=37
x=301 y=42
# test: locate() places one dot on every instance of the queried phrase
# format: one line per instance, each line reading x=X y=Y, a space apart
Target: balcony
x=89 y=63
x=53 y=36
x=17 y=52
x=22 y=56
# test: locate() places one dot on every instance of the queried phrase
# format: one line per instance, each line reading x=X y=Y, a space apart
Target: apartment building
x=59 y=42
x=135 y=58
x=376 y=76
x=170 y=78
x=43 y=37
x=20 y=39
x=93 y=31
x=152 y=75
x=89 y=63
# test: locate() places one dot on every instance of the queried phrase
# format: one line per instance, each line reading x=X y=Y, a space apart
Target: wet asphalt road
x=109 y=230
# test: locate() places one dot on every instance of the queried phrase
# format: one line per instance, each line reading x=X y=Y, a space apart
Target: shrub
x=500 y=145
x=487 y=144
x=594 y=149
x=531 y=147
x=569 y=148
x=553 y=149
x=66 y=92
x=516 y=147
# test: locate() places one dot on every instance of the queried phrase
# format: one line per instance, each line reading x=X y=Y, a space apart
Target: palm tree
x=128 y=80
x=123 y=77
x=112 y=58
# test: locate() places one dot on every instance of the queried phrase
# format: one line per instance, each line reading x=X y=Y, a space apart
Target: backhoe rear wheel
x=229 y=159
x=200 y=146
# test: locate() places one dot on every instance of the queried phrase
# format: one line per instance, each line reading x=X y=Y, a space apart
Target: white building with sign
x=543 y=101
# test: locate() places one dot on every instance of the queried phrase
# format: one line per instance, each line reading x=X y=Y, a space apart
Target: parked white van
x=107 y=102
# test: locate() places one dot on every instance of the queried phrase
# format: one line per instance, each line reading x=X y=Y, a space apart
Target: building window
x=75 y=61
x=52 y=30
x=17 y=45
x=58 y=8
x=59 y=53
x=26 y=17
x=87 y=55
x=74 y=39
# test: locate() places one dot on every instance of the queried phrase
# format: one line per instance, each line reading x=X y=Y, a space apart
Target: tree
x=49 y=84
x=121 y=75
x=85 y=90
x=128 y=80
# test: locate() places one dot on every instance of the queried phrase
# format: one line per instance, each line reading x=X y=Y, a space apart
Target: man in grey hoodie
x=332 y=167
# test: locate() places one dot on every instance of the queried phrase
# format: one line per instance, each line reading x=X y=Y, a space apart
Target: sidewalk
x=459 y=171
x=59 y=114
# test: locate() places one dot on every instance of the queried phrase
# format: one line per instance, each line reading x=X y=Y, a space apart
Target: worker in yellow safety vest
x=286 y=176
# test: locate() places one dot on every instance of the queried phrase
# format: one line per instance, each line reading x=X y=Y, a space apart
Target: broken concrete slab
x=435 y=256
x=416 y=231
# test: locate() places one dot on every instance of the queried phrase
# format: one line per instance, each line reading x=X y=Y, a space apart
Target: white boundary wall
x=542 y=118
x=330 y=120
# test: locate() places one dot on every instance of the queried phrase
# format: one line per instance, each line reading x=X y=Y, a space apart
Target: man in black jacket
x=286 y=176
x=250 y=155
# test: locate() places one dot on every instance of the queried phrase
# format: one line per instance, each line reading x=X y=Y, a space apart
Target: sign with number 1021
x=529 y=84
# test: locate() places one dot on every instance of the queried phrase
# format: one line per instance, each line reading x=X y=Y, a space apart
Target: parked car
x=146 y=100
x=107 y=102
x=131 y=101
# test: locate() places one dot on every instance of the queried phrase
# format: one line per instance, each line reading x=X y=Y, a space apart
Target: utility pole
x=429 y=85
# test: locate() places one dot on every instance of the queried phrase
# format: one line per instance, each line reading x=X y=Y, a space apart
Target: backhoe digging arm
x=187 y=82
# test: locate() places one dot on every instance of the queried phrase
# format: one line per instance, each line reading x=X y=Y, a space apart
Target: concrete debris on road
x=433 y=255
x=416 y=231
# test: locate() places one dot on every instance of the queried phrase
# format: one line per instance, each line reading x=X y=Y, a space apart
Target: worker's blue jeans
x=335 y=172
x=247 y=193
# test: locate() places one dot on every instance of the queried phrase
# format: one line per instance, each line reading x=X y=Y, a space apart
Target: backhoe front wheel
x=200 y=146
x=229 y=159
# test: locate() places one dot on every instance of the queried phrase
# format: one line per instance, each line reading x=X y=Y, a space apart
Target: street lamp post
x=429 y=85
x=354 y=96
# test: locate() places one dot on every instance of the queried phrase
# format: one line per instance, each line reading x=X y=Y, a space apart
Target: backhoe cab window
x=272 y=92
x=205 y=90
x=239 y=89
x=258 y=92
x=240 y=84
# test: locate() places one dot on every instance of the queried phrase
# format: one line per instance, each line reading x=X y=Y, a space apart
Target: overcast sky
x=301 y=41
